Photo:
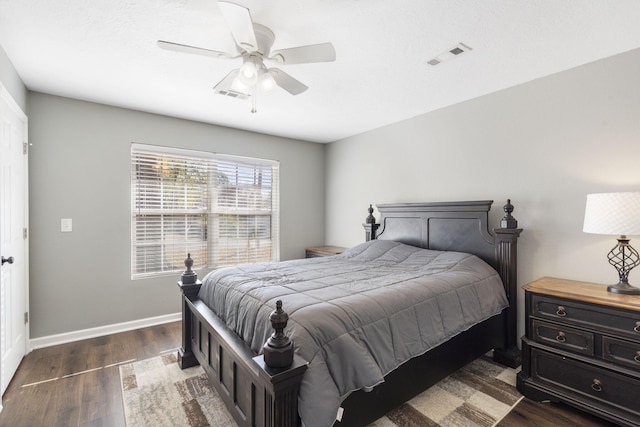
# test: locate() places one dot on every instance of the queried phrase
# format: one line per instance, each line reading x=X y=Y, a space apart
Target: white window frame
x=225 y=209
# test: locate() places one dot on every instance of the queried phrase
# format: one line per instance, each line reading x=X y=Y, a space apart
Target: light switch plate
x=66 y=225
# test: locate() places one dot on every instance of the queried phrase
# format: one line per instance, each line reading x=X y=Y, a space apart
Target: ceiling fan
x=254 y=42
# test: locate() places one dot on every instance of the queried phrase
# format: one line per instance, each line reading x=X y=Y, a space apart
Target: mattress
x=358 y=315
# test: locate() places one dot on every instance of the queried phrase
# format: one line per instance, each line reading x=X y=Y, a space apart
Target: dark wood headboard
x=460 y=227
x=448 y=226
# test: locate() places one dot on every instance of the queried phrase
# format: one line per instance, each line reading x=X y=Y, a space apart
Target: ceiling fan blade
x=286 y=82
x=239 y=19
x=229 y=87
x=177 y=47
x=323 y=52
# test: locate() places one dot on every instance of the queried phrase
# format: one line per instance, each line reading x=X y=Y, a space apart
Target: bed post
x=278 y=350
x=370 y=226
x=190 y=286
x=506 y=255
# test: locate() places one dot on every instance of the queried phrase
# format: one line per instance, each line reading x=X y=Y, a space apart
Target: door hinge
x=25 y=147
x=25 y=233
x=26 y=317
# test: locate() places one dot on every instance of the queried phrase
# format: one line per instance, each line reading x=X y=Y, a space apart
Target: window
x=222 y=209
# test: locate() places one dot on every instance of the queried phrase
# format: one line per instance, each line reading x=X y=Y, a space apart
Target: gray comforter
x=356 y=316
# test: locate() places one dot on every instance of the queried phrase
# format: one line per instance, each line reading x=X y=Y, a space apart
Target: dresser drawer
x=562 y=336
x=598 y=384
x=621 y=322
x=622 y=352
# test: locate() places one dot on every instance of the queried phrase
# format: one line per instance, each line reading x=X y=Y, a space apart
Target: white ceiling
x=105 y=51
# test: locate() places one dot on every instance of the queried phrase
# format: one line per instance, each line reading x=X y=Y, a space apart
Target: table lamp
x=616 y=214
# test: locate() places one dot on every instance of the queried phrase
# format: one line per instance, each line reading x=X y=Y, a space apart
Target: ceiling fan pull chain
x=254 y=95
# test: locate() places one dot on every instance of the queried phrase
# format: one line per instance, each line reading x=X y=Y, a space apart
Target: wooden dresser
x=582 y=347
x=319 y=251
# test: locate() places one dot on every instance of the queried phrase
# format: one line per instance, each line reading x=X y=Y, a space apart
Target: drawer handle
x=637 y=357
x=561 y=311
x=596 y=386
x=637 y=328
x=561 y=337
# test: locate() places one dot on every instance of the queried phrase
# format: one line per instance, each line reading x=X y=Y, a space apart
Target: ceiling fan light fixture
x=238 y=86
x=248 y=73
x=266 y=82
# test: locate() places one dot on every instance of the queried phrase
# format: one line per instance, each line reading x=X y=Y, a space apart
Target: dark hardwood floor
x=528 y=413
x=78 y=384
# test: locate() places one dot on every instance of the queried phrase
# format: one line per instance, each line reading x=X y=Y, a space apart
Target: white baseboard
x=83 y=334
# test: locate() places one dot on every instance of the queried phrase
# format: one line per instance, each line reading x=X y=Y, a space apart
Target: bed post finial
x=370 y=219
x=189 y=276
x=278 y=350
x=370 y=226
x=508 y=221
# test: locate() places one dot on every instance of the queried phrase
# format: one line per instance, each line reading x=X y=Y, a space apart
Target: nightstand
x=582 y=347
x=320 y=251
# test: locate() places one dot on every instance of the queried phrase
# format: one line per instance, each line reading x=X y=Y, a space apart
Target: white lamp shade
x=613 y=213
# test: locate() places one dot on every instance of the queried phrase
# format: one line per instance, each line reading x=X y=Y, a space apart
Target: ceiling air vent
x=232 y=94
x=449 y=54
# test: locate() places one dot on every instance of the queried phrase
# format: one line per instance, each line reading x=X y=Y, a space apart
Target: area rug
x=157 y=393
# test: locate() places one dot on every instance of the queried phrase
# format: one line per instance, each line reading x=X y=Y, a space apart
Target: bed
x=452 y=236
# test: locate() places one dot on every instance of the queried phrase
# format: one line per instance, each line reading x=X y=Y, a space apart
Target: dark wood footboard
x=255 y=394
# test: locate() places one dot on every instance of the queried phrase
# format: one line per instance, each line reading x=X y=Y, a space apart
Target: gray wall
x=544 y=144
x=11 y=81
x=80 y=169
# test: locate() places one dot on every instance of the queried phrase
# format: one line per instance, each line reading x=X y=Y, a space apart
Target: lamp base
x=623 y=288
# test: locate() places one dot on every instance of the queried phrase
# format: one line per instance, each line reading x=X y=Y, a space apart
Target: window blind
x=222 y=209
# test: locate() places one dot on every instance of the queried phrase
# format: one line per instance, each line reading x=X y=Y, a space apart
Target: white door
x=13 y=240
